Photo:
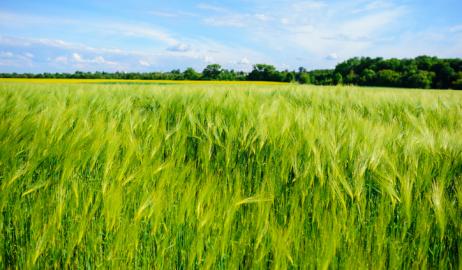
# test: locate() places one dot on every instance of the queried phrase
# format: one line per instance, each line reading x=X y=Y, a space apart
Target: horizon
x=49 y=36
x=223 y=68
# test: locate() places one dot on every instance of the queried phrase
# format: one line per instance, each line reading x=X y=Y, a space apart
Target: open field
x=229 y=176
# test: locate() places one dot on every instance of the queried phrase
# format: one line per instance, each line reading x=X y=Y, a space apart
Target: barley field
x=217 y=176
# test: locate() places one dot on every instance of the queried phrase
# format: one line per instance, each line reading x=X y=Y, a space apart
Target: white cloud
x=309 y=5
x=197 y=49
x=99 y=26
x=262 y=17
x=208 y=59
x=374 y=5
x=237 y=20
x=10 y=59
x=141 y=31
x=332 y=56
x=227 y=21
x=164 y=14
x=61 y=60
x=244 y=61
x=284 y=21
x=180 y=47
x=311 y=33
x=67 y=56
x=456 y=28
x=77 y=58
x=209 y=7
x=11 y=18
x=172 y=14
x=371 y=24
x=80 y=61
x=144 y=63
x=318 y=28
x=6 y=54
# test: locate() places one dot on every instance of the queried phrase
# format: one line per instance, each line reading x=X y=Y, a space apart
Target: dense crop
x=222 y=177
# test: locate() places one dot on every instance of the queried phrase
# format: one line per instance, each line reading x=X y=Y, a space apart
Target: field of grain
x=210 y=176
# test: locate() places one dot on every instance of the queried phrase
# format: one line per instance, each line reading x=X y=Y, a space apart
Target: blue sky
x=65 y=36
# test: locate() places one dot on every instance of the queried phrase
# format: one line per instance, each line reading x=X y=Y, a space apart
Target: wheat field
x=210 y=176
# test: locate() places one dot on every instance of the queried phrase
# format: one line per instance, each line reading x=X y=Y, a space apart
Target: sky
x=139 y=35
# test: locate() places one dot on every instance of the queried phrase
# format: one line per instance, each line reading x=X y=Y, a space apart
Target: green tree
x=264 y=72
x=444 y=75
x=457 y=83
x=351 y=78
x=212 y=72
x=368 y=77
x=191 y=74
x=338 y=78
x=420 y=79
x=388 y=77
x=304 y=78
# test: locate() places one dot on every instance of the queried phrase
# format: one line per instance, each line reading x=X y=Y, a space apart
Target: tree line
x=420 y=72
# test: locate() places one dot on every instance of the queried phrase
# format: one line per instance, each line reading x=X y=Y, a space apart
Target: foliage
x=212 y=72
x=263 y=72
x=232 y=177
x=420 y=72
x=322 y=77
x=191 y=74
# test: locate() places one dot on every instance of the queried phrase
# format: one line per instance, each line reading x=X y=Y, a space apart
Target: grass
x=229 y=176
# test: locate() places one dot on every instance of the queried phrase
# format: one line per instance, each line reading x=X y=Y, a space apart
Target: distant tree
x=227 y=75
x=368 y=77
x=302 y=70
x=420 y=72
x=263 y=72
x=322 y=77
x=191 y=74
x=288 y=76
x=457 y=83
x=212 y=72
x=346 y=67
x=424 y=62
x=420 y=79
x=304 y=78
x=388 y=77
x=352 y=77
x=338 y=78
x=444 y=75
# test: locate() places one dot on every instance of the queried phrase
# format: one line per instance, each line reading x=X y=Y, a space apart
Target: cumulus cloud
x=78 y=61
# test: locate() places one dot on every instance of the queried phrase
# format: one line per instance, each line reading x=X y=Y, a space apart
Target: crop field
x=229 y=176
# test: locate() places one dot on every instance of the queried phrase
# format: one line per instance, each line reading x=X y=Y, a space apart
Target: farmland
x=227 y=176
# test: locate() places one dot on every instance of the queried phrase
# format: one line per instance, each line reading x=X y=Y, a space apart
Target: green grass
x=228 y=177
